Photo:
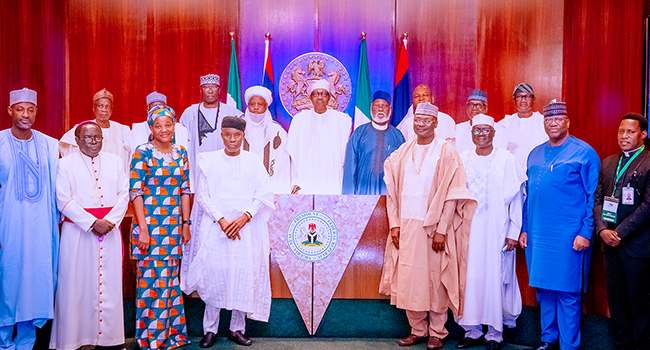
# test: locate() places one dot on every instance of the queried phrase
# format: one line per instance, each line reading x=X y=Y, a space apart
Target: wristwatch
x=189 y=222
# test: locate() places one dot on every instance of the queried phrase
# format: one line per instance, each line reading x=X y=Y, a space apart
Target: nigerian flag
x=363 y=97
x=233 y=97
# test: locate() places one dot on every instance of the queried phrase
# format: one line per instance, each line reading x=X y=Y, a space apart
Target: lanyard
x=620 y=172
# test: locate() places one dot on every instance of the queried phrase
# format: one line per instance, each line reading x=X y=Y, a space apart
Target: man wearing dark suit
x=622 y=220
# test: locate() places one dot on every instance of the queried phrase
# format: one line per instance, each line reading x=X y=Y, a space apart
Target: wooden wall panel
x=133 y=48
x=442 y=49
x=32 y=55
x=519 y=41
x=602 y=80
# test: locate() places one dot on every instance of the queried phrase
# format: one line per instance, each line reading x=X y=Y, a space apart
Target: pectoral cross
x=95 y=195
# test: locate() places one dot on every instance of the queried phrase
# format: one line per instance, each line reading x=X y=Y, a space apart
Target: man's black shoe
x=468 y=342
x=208 y=340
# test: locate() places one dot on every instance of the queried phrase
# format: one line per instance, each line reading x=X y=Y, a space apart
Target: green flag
x=234 y=86
x=363 y=97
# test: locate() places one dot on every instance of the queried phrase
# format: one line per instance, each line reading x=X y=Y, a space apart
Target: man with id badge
x=621 y=216
x=558 y=225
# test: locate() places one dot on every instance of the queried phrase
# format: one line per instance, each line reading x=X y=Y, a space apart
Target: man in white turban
x=267 y=138
x=317 y=142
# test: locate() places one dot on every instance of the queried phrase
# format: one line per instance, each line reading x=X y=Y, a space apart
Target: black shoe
x=468 y=342
x=547 y=346
x=493 y=345
x=208 y=340
x=240 y=338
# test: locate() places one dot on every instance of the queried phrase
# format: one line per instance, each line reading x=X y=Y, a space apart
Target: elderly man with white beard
x=368 y=148
x=267 y=139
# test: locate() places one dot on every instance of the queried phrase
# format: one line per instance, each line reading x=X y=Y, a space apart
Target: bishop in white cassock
x=317 y=141
x=140 y=132
x=267 y=139
x=477 y=103
x=203 y=124
x=92 y=192
x=525 y=128
x=492 y=296
x=116 y=135
x=446 y=129
x=231 y=268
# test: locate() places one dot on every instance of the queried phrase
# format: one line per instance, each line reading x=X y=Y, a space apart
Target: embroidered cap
x=156 y=97
x=381 y=95
x=555 y=108
x=426 y=108
x=210 y=79
x=22 y=95
x=103 y=93
x=478 y=95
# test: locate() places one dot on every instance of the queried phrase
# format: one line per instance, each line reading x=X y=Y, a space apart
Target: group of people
x=460 y=199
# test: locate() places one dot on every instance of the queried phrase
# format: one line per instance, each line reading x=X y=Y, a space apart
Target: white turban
x=23 y=95
x=319 y=84
x=260 y=91
x=482 y=119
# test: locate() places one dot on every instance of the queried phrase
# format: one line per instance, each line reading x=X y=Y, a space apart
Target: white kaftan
x=492 y=294
x=446 y=129
x=317 y=144
x=232 y=274
x=140 y=135
x=88 y=307
x=527 y=133
x=116 y=141
x=204 y=137
x=268 y=140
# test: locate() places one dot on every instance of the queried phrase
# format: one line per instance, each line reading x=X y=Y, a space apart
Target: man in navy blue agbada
x=368 y=148
x=558 y=225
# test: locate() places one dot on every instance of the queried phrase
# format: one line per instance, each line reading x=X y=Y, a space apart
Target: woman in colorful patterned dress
x=160 y=191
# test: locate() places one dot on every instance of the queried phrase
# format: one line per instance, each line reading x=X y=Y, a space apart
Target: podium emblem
x=312 y=235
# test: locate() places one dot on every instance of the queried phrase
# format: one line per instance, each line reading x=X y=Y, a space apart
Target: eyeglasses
x=481 y=131
x=425 y=122
x=89 y=139
x=476 y=105
x=321 y=93
x=551 y=120
x=522 y=97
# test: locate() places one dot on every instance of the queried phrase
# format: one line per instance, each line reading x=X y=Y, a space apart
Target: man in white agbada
x=317 y=141
x=140 y=131
x=267 y=139
x=446 y=129
x=492 y=297
x=93 y=194
x=116 y=135
x=477 y=103
x=231 y=268
x=203 y=123
x=525 y=128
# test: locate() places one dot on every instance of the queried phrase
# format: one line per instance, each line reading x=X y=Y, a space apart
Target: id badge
x=610 y=206
x=628 y=195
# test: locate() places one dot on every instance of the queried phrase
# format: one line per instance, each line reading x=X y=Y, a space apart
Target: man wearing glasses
x=477 y=103
x=429 y=212
x=492 y=297
x=525 y=128
x=558 y=225
x=317 y=142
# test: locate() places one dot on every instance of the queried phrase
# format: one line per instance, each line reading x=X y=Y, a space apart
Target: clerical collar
x=630 y=153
